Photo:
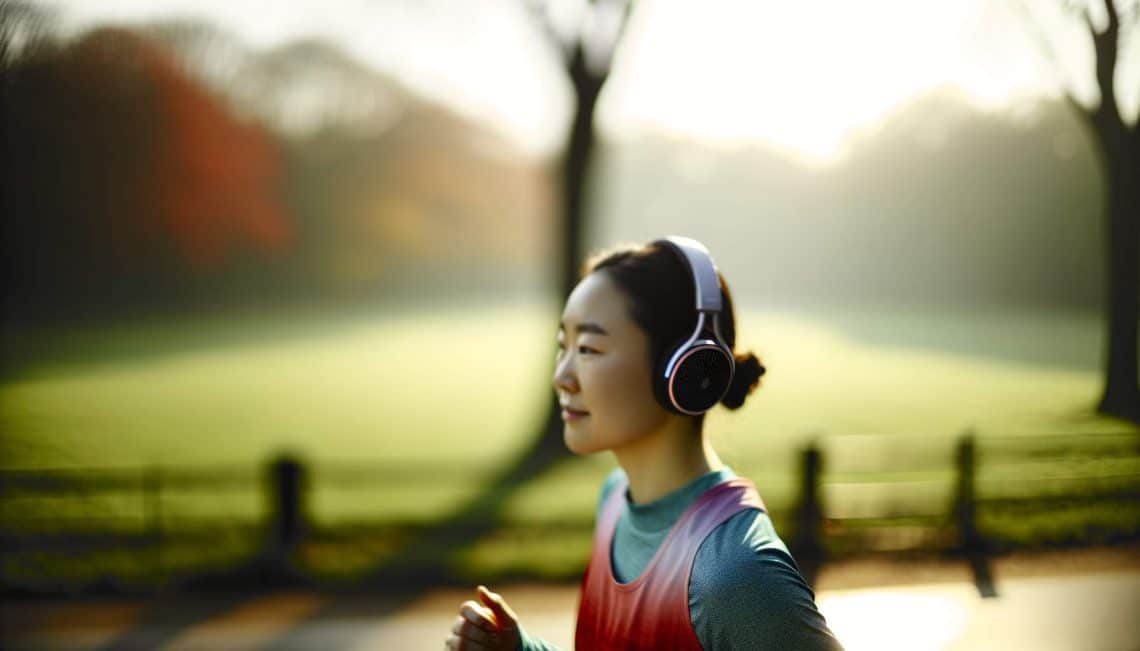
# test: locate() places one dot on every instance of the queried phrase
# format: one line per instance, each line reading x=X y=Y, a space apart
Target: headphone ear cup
x=699 y=380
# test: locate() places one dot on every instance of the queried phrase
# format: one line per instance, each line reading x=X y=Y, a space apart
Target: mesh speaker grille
x=701 y=379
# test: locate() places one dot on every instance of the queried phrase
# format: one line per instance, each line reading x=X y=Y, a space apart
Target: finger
x=468 y=631
x=451 y=643
x=478 y=616
x=505 y=617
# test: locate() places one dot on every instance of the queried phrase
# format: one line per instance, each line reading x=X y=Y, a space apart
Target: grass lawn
x=464 y=385
x=469 y=383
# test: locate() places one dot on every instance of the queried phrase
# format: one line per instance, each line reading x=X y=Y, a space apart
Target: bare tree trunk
x=1121 y=395
x=548 y=445
x=1120 y=154
x=587 y=86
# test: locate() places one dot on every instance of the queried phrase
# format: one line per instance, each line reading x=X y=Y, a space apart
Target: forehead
x=597 y=299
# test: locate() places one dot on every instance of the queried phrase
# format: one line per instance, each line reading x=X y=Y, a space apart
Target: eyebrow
x=587 y=326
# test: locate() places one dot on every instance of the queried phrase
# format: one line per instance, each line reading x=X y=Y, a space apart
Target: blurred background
x=282 y=284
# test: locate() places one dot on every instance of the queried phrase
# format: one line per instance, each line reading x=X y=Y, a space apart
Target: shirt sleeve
x=528 y=643
x=745 y=592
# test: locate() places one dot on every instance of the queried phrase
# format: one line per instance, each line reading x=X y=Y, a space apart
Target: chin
x=574 y=442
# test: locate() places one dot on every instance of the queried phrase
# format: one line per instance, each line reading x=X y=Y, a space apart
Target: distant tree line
x=940 y=205
x=124 y=179
x=170 y=165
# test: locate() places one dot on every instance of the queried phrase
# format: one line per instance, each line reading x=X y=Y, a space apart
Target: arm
x=528 y=643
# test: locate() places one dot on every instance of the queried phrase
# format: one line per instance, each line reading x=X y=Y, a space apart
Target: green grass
x=456 y=384
x=464 y=387
x=470 y=382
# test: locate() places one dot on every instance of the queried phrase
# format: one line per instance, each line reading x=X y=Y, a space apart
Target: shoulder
x=744 y=554
x=745 y=590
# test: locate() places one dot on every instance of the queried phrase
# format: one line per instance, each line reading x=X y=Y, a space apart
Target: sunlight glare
x=803 y=76
x=799 y=77
x=886 y=620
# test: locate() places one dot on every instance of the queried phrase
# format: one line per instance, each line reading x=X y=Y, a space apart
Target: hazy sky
x=798 y=75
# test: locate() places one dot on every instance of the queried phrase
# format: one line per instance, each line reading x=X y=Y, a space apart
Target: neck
x=662 y=462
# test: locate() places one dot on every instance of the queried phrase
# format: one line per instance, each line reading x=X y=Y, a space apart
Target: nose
x=565 y=376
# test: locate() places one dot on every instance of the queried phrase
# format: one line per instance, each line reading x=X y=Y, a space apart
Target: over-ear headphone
x=691 y=377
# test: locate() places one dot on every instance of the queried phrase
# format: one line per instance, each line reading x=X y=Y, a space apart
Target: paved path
x=1080 y=612
x=1094 y=612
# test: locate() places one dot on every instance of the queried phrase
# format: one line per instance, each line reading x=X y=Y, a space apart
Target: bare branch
x=1037 y=34
x=1113 y=15
x=23 y=25
x=564 y=44
x=1105 y=47
x=602 y=32
x=1086 y=18
x=1129 y=34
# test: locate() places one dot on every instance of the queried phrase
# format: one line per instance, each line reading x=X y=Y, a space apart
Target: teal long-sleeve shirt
x=745 y=591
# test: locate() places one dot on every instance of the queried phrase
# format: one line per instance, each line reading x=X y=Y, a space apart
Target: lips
x=570 y=413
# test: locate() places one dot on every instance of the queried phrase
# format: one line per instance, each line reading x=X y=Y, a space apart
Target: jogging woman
x=684 y=554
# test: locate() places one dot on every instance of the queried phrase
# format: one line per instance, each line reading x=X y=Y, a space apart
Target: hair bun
x=749 y=370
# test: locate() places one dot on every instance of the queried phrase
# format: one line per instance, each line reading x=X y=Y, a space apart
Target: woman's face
x=602 y=374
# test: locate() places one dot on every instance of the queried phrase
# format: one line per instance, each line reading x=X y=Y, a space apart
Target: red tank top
x=652 y=611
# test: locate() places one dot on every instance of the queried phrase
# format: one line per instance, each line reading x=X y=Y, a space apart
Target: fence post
x=970 y=542
x=287 y=486
x=965 y=508
x=807 y=543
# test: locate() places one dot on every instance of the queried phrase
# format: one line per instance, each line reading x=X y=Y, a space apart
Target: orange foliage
x=209 y=179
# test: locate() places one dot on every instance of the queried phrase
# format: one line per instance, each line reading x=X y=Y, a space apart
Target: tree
x=1118 y=147
x=588 y=46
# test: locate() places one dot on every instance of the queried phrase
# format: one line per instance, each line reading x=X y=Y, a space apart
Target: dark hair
x=659 y=290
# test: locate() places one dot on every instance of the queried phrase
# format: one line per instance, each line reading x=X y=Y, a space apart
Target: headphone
x=691 y=377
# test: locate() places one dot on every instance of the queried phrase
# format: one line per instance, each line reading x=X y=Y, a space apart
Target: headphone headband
x=701 y=268
x=694 y=375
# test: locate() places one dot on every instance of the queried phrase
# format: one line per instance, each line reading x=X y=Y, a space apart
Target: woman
x=684 y=555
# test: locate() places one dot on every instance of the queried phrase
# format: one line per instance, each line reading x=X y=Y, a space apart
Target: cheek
x=625 y=396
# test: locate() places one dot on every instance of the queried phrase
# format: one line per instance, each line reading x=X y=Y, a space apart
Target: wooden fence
x=970 y=496
x=855 y=495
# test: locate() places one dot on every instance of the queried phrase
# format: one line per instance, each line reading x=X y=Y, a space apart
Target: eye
x=586 y=350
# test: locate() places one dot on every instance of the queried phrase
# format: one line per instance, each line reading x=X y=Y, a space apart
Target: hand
x=490 y=626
